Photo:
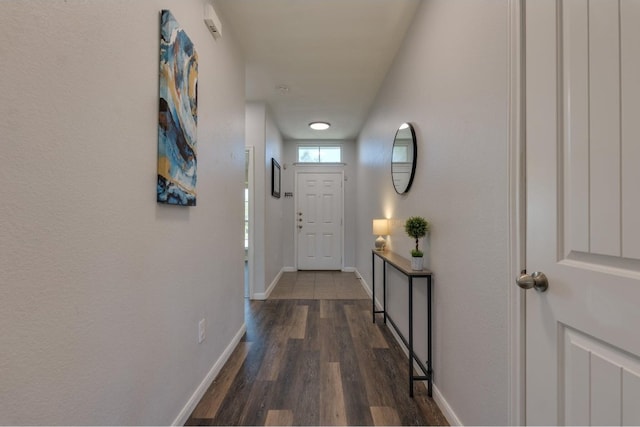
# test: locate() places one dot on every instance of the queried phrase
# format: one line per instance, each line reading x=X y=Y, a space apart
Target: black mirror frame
x=413 y=163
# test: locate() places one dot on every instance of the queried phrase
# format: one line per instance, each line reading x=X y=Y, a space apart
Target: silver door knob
x=536 y=280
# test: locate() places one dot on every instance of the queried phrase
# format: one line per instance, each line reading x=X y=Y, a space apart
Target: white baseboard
x=265 y=295
x=186 y=411
x=442 y=403
x=367 y=288
x=348 y=269
x=289 y=269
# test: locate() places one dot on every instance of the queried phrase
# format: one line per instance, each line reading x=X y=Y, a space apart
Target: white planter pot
x=417 y=263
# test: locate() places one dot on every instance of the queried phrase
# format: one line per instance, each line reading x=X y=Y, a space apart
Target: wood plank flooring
x=315 y=362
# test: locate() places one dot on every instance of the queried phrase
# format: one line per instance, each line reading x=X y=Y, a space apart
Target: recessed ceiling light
x=319 y=125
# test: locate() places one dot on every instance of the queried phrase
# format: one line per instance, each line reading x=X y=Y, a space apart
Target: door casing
x=516 y=326
x=250 y=253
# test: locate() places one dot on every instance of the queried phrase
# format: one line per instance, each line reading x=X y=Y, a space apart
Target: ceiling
x=316 y=60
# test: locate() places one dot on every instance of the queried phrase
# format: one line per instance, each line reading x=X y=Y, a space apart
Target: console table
x=403 y=265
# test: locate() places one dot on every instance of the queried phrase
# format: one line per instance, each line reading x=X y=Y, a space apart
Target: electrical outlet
x=201 y=331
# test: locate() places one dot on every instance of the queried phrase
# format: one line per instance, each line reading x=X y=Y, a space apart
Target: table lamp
x=380 y=228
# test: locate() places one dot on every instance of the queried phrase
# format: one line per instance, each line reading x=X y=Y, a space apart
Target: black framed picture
x=275 y=178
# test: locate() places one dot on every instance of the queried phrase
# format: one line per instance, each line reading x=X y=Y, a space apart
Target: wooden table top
x=401 y=263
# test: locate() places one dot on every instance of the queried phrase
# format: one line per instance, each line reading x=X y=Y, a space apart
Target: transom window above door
x=319 y=154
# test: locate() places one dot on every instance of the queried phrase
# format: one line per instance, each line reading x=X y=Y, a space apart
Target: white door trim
x=252 y=205
x=317 y=169
x=517 y=213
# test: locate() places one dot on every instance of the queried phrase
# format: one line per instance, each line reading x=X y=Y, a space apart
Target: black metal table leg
x=384 y=291
x=403 y=266
x=373 y=286
x=429 y=370
x=410 y=336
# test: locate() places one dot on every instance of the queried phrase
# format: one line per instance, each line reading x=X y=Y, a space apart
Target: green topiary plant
x=416 y=227
x=416 y=253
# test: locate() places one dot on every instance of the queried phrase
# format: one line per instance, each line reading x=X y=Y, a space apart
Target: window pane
x=330 y=154
x=308 y=154
x=319 y=154
x=400 y=153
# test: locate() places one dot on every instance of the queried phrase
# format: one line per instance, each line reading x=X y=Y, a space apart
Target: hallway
x=314 y=362
x=103 y=285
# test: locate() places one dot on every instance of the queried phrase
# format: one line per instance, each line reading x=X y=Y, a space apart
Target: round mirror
x=403 y=158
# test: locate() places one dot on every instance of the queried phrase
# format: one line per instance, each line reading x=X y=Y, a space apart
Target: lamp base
x=380 y=243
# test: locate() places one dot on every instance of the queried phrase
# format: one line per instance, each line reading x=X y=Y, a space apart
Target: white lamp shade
x=380 y=227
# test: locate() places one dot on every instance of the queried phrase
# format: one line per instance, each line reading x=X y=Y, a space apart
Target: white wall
x=264 y=136
x=350 y=158
x=274 y=207
x=450 y=80
x=255 y=126
x=102 y=288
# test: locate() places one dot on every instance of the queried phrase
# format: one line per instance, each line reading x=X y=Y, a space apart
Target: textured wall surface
x=255 y=126
x=102 y=288
x=450 y=81
x=273 y=206
x=264 y=136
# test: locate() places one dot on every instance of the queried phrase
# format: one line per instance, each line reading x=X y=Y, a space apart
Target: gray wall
x=103 y=288
x=264 y=136
x=449 y=80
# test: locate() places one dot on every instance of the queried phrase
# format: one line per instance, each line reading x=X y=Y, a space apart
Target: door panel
x=597 y=379
x=327 y=245
x=604 y=125
x=630 y=105
x=319 y=221
x=590 y=57
x=583 y=210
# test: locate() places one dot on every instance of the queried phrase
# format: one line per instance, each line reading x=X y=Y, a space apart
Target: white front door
x=583 y=211
x=318 y=220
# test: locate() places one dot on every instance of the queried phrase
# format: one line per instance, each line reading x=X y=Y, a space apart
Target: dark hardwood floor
x=315 y=362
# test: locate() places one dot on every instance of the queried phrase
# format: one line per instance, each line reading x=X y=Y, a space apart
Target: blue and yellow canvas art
x=178 y=118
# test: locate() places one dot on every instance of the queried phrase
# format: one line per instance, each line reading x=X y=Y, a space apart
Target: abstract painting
x=178 y=118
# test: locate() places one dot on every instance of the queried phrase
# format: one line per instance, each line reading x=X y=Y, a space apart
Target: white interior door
x=583 y=211
x=319 y=221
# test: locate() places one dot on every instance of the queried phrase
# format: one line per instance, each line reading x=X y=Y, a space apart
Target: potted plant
x=416 y=227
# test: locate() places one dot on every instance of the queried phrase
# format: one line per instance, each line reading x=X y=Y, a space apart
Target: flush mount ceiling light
x=319 y=125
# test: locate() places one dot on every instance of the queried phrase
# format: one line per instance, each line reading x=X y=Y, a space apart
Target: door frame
x=318 y=169
x=250 y=253
x=516 y=324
